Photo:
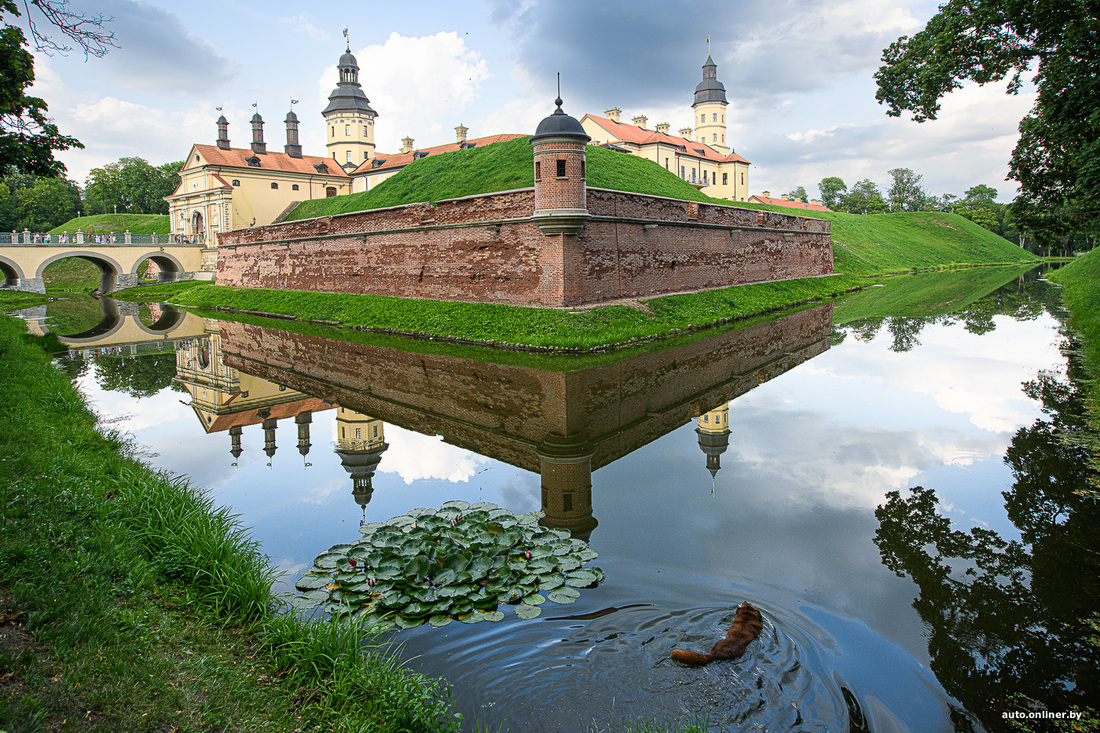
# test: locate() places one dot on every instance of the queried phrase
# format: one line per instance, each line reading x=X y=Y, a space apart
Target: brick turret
x=560 y=194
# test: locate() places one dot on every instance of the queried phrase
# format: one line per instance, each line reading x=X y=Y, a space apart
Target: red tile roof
x=392 y=161
x=249 y=417
x=641 y=136
x=235 y=158
x=788 y=203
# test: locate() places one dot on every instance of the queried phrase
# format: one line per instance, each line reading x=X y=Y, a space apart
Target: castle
x=224 y=188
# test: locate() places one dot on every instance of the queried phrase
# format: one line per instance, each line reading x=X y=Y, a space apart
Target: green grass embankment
x=116 y=224
x=130 y=603
x=501 y=325
x=1080 y=281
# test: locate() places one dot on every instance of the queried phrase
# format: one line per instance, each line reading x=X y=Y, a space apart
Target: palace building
x=702 y=157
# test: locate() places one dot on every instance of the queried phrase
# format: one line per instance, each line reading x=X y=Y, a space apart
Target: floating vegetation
x=461 y=562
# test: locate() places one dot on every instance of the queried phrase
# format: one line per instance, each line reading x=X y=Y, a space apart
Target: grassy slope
x=117 y=224
x=1081 y=282
x=501 y=324
x=924 y=294
x=131 y=604
x=863 y=245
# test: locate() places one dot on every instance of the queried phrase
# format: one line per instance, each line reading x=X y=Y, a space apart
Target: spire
x=710 y=89
x=348 y=95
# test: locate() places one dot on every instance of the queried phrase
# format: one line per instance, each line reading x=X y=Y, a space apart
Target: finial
x=708 y=44
x=293 y=102
x=558 y=100
x=253 y=105
x=348 y=40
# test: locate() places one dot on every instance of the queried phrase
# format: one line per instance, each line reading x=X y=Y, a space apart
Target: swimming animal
x=746 y=626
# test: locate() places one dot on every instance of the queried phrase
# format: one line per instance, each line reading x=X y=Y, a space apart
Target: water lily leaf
x=407 y=622
x=457 y=504
x=529 y=519
x=566 y=564
x=563 y=595
x=526 y=612
x=513 y=595
x=309 y=581
x=328 y=561
x=587 y=555
x=535 y=599
x=550 y=582
x=304 y=604
x=473 y=617
x=494 y=616
x=370 y=527
x=417 y=567
x=542 y=551
x=580 y=579
x=441 y=619
x=401 y=520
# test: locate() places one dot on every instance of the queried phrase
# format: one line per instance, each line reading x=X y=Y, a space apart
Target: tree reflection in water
x=1012 y=617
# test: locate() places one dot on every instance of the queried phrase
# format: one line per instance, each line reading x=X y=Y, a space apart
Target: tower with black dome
x=713 y=429
x=349 y=119
x=561 y=206
x=710 y=107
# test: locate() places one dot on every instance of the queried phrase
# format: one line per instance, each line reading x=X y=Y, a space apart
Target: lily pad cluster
x=461 y=562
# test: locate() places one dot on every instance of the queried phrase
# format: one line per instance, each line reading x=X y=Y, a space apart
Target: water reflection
x=560 y=425
x=743 y=466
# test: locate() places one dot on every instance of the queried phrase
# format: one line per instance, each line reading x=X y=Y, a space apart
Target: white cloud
x=413 y=457
x=415 y=83
x=301 y=24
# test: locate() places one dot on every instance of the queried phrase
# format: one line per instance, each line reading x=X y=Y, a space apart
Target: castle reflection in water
x=562 y=425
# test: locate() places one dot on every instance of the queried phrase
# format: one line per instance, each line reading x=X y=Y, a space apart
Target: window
x=358 y=433
x=714 y=117
x=374 y=431
x=714 y=137
x=725 y=178
x=693 y=175
x=666 y=164
x=347 y=130
x=567 y=501
x=294 y=187
x=561 y=168
x=364 y=130
x=366 y=155
x=236 y=182
x=348 y=154
x=681 y=172
x=274 y=185
x=538 y=171
x=330 y=192
x=333 y=131
x=582 y=169
x=742 y=179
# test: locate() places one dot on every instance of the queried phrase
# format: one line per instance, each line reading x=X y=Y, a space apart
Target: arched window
x=274 y=185
x=330 y=192
x=294 y=187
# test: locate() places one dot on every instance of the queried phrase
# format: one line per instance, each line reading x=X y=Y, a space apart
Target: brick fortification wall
x=488 y=249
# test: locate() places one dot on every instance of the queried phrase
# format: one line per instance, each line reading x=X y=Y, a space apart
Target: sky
x=798 y=76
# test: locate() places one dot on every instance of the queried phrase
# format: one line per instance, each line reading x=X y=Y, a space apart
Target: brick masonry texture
x=487 y=249
x=507 y=412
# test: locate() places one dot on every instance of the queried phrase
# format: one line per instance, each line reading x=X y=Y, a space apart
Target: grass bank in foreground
x=129 y=603
x=500 y=325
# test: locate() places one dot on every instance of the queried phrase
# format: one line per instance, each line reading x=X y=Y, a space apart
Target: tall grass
x=95 y=548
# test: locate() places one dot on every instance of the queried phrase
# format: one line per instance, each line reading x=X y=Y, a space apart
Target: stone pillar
x=126 y=237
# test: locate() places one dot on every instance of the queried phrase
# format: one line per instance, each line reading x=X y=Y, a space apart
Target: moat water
x=889 y=490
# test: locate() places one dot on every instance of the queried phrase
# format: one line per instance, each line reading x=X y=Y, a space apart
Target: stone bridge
x=122 y=327
x=24 y=257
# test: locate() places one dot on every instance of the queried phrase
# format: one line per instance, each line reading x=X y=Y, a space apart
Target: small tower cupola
x=561 y=205
x=349 y=118
x=292 y=148
x=710 y=107
x=259 y=147
x=223 y=133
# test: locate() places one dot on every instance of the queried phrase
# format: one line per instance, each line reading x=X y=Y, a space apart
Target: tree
x=832 y=190
x=131 y=186
x=864 y=198
x=905 y=192
x=799 y=194
x=28 y=138
x=1057 y=158
x=979 y=205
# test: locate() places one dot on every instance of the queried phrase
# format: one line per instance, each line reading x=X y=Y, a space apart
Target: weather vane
x=218 y=108
x=708 y=44
x=346 y=39
x=293 y=102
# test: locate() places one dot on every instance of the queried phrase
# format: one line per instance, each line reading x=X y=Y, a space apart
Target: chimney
x=640 y=121
x=663 y=127
x=613 y=114
x=259 y=147
x=816 y=202
x=783 y=196
x=223 y=133
x=406 y=145
x=685 y=132
x=767 y=194
x=460 y=133
x=292 y=148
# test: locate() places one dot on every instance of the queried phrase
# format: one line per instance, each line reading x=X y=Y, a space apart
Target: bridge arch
x=11 y=272
x=109 y=269
x=169 y=268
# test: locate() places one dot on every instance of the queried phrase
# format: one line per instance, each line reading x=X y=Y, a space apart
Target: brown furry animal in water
x=746 y=626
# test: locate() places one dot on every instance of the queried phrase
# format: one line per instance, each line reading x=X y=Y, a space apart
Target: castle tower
x=565 y=466
x=292 y=147
x=710 y=107
x=713 y=429
x=349 y=119
x=223 y=133
x=561 y=206
x=259 y=147
x=360 y=443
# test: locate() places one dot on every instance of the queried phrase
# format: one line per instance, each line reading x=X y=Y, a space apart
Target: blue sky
x=798 y=77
